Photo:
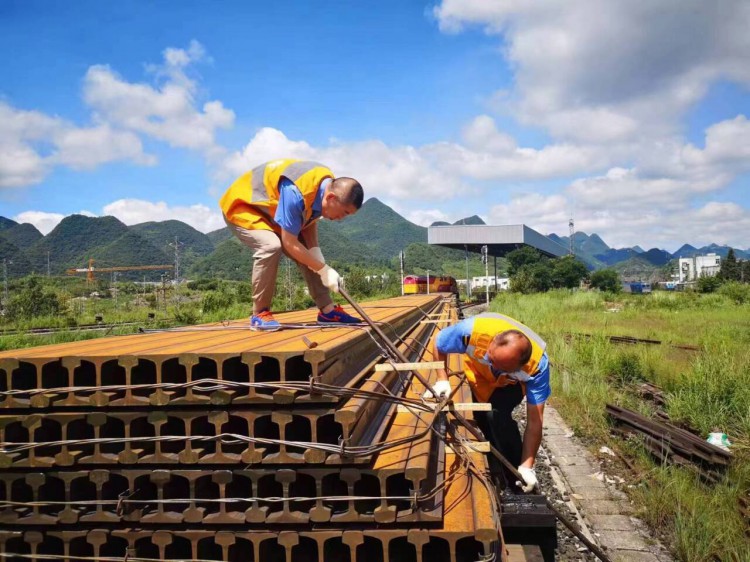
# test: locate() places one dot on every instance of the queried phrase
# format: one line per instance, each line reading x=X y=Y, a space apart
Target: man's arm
x=310 y=235
x=532 y=437
x=439 y=356
x=298 y=252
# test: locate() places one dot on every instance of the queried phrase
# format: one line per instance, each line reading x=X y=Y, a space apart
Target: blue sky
x=518 y=113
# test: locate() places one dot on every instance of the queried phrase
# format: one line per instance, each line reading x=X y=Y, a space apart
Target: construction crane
x=90 y=270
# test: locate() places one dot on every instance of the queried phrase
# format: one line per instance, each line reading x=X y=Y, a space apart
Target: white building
x=690 y=269
x=503 y=283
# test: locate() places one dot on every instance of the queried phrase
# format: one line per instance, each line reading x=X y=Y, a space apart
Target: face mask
x=520 y=376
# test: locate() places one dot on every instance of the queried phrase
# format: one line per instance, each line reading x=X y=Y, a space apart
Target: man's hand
x=330 y=278
x=440 y=387
x=317 y=253
x=529 y=478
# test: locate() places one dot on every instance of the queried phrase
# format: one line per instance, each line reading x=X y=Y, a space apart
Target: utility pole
x=401 y=257
x=176 y=245
x=428 y=281
x=5 y=280
x=47 y=263
x=468 y=285
x=485 y=260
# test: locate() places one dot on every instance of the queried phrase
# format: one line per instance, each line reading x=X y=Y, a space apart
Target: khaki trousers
x=267 y=249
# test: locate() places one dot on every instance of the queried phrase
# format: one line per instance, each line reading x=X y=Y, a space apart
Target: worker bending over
x=503 y=361
x=274 y=209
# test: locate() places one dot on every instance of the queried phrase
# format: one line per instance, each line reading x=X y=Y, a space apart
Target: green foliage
x=627 y=368
x=358 y=284
x=33 y=301
x=72 y=241
x=708 y=390
x=730 y=269
x=186 y=315
x=531 y=272
x=203 y=285
x=22 y=236
x=216 y=300
x=567 y=272
x=739 y=293
x=231 y=260
x=375 y=226
x=16 y=262
x=708 y=283
x=606 y=280
x=521 y=257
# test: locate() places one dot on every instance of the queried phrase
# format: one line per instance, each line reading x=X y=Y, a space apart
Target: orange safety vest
x=251 y=201
x=479 y=371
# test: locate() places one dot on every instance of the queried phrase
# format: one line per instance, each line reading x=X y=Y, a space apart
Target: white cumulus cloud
x=168 y=111
x=43 y=221
x=32 y=144
x=135 y=211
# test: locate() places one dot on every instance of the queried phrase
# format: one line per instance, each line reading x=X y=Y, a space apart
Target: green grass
x=708 y=390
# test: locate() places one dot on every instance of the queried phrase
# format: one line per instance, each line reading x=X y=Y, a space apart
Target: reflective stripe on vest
x=251 y=201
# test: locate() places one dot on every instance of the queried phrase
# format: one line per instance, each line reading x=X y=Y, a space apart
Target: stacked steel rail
x=667 y=442
x=214 y=442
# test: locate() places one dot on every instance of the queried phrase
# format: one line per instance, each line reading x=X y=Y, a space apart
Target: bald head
x=509 y=351
x=349 y=191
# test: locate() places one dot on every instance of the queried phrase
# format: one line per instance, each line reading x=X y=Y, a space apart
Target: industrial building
x=690 y=269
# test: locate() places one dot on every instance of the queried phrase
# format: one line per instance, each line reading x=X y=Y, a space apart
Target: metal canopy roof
x=499 y=239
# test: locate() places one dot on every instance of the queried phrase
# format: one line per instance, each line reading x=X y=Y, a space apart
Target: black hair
x=349 y=191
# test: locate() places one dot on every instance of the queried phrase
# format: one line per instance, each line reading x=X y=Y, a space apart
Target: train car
x=418 y=284
x=415 y=284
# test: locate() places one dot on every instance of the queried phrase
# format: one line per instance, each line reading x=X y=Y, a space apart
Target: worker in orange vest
x=274 y=209
x=503 y=361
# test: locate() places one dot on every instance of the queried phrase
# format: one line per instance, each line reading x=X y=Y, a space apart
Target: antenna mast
x=571 y=226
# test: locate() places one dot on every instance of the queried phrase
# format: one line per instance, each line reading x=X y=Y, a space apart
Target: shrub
x=627 y=368
x=606 y=280
x=33 y=301
x=739 y=293
x=216 y=300
x=708 y=283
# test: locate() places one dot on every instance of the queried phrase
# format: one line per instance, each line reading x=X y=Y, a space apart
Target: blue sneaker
x=337 y=316
x=264 y=321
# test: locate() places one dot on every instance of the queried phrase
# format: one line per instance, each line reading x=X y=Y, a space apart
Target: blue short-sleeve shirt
x=290 y=214
x=455 y=339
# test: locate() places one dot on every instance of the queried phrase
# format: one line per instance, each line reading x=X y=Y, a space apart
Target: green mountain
x=131 y=249
x=218 y=236
x=6 y=223
x=230 y=260
x=72 y=242
x=639 y=269
x=472 y=220
x=17 y=263
x=161 y=234
x=377 y=227
x=193 y=244
x=23 y=236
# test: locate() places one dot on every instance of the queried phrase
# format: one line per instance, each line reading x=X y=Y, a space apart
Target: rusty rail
x=141 y=447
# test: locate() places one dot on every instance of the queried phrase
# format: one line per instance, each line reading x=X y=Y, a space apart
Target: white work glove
x=529 y=478
x=330 y=278
x=441 y=387
x=317 y=253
